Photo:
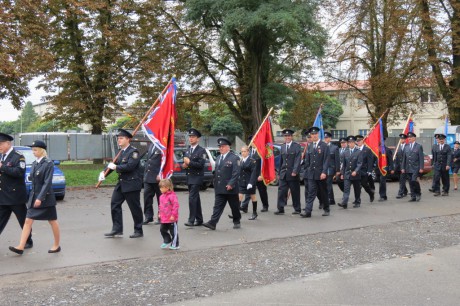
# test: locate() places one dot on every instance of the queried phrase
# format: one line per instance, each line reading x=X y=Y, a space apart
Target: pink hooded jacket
x=169 y=207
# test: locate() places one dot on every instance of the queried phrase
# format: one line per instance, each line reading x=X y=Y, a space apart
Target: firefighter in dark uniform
x=261 y=187
x=402 y=192
x=128 y=187
x=13 y=195
x=352 y=160
x=456 y=163
x=333 y=171
x=435 y=177
x=367 y=166
x=442 y=158
x=342 y=149
x=316 y=165
x=383 y=178
x=194 y=161
x=289 y=173
x=412 y=166
x=151 y=180
x=225 y=185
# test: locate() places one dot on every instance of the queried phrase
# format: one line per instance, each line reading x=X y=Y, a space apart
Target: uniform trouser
x=262 y=194
x=346 y=190
x=340 y=183
x=365 y=183
x=383 y=186
x=194 y=204
x=150 y=190
x=441 y=175
x=317 y=188
x=402 y=185
x=414 y=185
x=330 y=188
x=133 y=200
x=283 y=188
x=170 y=234
x=219 y=206
x=20 y=212
x=370 y=181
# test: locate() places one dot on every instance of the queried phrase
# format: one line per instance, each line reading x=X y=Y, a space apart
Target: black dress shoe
x=344 y=206
x=264 y=209
x=198 y=224
x=136 y=235
x=445 y=194
x=279 y=212
x=306 y=215
x=355 y=202
x=296 y=212
x=437 y=194
x=236 y=225
x=399 y=196
x=253 y=217
x=147 y=221
x=230 y=216
x=372 y=197
x=113 y=234
x=29 y=245
x=189 y=224
x=210 y=226
x=320 y=207
x=431 y=190
x=244 y=209
x=382 y=199
x=17 y=251
x=356 y=205
x=418 y=198
x=56 y=250
x=412 y=200
x=325 y=214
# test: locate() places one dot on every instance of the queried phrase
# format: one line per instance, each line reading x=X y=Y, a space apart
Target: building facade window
x=336 y=134
x=428 y=97
x=363 y=132
x=342 y=98
x=427 y=133
x=396 y=132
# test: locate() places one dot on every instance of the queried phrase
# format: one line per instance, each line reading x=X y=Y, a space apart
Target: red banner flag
x=263 y=142
x=159 y=128
x=376 y=143
x=408 y=128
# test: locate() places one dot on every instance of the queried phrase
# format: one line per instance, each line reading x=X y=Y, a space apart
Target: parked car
x=59 y=184
x=427 y=167
x=179 y=176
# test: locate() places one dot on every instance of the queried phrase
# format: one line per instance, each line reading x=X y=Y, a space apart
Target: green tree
x=8 y=127
x=217 y=121
x=241 y=52
x=301 y=113
x=27 y=118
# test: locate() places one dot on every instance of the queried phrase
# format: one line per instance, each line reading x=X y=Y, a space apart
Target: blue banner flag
x=319 y=124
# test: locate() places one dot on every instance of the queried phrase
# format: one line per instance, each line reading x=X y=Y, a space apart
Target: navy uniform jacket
x=352 y=162
x=195 y=169
x=389 y=154
x=316 y=161
x=248 y=172
x=398 y=159
x=412 y=159
x=443 y=158
x=258 y=160
x=227 y=173
x=368 y=160
x=12 y=184
x=456 y=158
x=129 y=178
x=152 y=165
x=334 y=160
x=41 y=176
x=290 y=162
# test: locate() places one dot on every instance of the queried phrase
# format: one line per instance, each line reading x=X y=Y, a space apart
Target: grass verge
x=85 y=174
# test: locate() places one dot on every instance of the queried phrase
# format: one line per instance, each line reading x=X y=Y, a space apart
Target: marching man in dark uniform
x=352 y=160
x=194 y=160
x=435 y=177
x=456 y=163
x=333 y=170
x=289 y=173
x=128 y=186
x=13 y=195
x=442 y=158
x=383 y=178
x=151 y=181
x=402 y=192
x=343 y=148
x=367 y=166
x=225 y=185
x=412 y=166
x=316 y=165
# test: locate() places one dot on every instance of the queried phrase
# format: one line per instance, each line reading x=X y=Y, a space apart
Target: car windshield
x=214 y=153
x=30 y=158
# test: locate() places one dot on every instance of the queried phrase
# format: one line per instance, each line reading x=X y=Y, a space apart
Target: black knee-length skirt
x=42 y=213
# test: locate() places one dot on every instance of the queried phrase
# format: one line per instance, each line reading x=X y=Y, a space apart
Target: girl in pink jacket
x=168 y=215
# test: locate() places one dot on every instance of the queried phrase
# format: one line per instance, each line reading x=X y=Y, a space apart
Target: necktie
x=287 y=147
x=3 y=157
x=411 y=146
x=441 y=147
x=314 y=145
x=191 y=150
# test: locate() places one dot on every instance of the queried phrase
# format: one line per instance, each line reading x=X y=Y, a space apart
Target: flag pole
x=138 y=127
x=305 y=148
x=373 y=127
x=399 y=143
x=258 y=130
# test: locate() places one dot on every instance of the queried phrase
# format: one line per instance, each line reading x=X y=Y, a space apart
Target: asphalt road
x=84 y=217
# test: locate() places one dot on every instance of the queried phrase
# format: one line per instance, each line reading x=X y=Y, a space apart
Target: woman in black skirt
x=42 y=203
x=248 y=179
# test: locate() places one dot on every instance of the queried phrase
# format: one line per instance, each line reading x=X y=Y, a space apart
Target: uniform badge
x=38 y=172
x=22 y=165
x=319 y=151
x=135 y=155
